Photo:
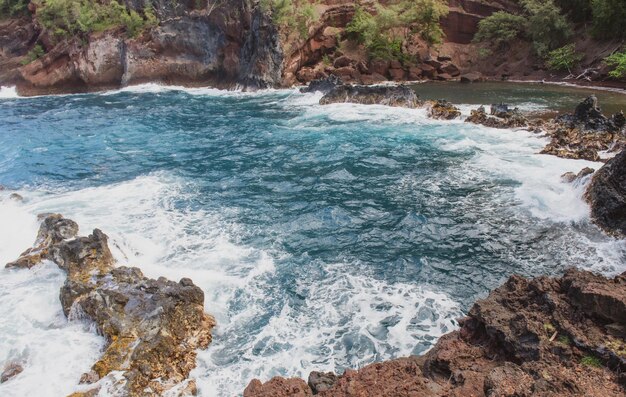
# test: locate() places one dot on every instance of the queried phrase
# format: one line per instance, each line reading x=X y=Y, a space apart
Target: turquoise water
x=323 y=237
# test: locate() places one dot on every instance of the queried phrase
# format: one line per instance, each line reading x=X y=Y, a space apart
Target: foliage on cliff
x=292 y=15
x=10 y=8
x=384 y=29
x=618 y=62
x=74 y=17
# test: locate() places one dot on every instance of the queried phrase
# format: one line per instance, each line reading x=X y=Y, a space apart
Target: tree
x=618 y=62
x=499 y=29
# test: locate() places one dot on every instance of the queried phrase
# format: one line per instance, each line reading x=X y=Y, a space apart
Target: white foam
x=8 y=92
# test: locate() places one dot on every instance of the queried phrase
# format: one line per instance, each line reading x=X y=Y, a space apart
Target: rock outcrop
x=324 y=85
x=606 y=195
x=542 y=337
x=443 y=110
x=399 y=95
x=500 y=117
x=586 y=132
x=152 y=327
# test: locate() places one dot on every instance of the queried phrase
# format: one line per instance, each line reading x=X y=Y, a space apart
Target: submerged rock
x=324 y=85
x=399 y=95
x=152 y=327
x=10 y=370
x=443 y=110
x=585 y=133
x=546 y=336
x=606 y=195
x=501 y=117
x=570 y=177
x=16 y=197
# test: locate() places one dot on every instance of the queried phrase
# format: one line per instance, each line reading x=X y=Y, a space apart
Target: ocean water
x=324 y=237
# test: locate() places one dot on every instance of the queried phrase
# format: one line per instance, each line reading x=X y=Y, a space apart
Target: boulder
x=397 y=74
x=500 y=119
x=451 y=69
x=321 y=381
x=373 y=78
x=401 y=95
x=152 y=327
x=277 y=387
x=323 y=85
x=415 y=73
x=472 y=77
x=11 y=370
x=16 y=197
x=570 y=177
x=606 y=195
x=342 y=61
x=443 y=110
x=379 y=66
x=428 y=71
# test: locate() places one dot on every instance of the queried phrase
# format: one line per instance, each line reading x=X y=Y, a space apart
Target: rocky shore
x=152 y=327
x=547 y=336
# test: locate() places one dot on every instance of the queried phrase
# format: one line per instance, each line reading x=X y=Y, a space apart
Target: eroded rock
x=501 y=117
x=527 y=338
x=152 y=327
x=400 y=95
x=324 y=85
x=443 y=110
x=606 y=195
x=11 y=370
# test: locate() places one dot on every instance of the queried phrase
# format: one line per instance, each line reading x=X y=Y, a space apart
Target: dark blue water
x=324 y=237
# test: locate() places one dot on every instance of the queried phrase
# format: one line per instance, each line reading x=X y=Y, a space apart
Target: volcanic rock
x=323 y=85
x=502 y=117
x=546 y=336
x=585 y=133
x=400 y=96
x=152 y=327
x=606 y=195
x=443 y=110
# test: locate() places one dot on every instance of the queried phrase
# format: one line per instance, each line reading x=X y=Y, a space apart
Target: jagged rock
x=276 y=387
x=527 y=338
x=401 y=95
x=10 y=370
x=584 y=133
x=606 y=195
x=570 y=177
x=152 y=327
x=443 y=110
x=324 y=85
x=321 y=381
x=501 y=118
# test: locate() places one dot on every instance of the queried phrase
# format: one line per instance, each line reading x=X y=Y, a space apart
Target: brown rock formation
x=501 y=117
x=443 y=110
x=152 y=327
x=606 y=195
x=541 y=337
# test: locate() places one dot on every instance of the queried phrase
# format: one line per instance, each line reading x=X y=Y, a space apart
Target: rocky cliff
x=542 y=337
x=231 y=43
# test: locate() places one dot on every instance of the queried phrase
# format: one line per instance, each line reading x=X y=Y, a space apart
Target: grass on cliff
x=293 y=15
x=73 y=17
x=591 y=361
x=384 y=31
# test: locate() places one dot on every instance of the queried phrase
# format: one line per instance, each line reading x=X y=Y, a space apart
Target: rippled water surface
x=323 y=237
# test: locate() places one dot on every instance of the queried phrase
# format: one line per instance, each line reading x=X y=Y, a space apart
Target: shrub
x=35 y=53
x=71 y=17
x=564 y=58
x=500 y=29
x=591 y=361
x=618 y=62
x=546 y=27
x=577 y=10
x=609 y=17
x=9 y=8
x=424 y=17
x=295 y=15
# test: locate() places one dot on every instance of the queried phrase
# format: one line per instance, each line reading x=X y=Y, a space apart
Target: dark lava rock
x=398 y=95
x=607 y=195
x=322 y=85
x=527 y=338
x=443 y=110
x=584 y=133
x=321 y=381
x=152 y=327
x=502 y=117
x=570 y=177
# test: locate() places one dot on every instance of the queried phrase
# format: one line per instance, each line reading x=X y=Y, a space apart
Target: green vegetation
x=564 y=58
x=608 y=17
x=542 y=23
x=384 y=32
x=591 y=361
x=326 y=60
x=35 y=53
x=549 y=328
x=11 y=8
x=500 y=29
x=72 y=17
x=564 y=340
x=617 y=61
x=295 y=15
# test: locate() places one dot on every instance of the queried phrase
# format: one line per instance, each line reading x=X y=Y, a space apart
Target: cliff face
x=233 y=44
x=543 y=337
